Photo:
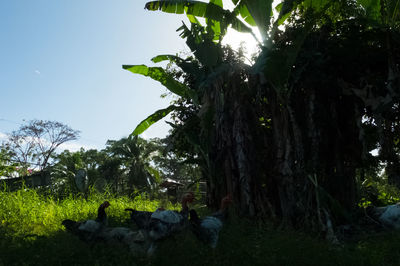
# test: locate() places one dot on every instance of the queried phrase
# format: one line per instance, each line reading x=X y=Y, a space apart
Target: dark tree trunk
x=235 y=165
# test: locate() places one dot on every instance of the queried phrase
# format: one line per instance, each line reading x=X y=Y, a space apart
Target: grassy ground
x=31 y=234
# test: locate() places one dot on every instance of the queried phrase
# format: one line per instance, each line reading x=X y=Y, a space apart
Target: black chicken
x=140 y=218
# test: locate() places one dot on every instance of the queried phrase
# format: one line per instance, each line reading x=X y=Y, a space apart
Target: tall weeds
x=31 y=234
x=27 y=212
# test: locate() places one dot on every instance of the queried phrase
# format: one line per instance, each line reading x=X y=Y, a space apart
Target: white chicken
x=389 y=215
x=208 y=228
x=164 y=223
x=88 y=230
x=137 y=241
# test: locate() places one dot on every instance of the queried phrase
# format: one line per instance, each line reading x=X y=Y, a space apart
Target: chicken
x=164 y=223
x=137 y=241
x=389 y=215
x=208 y=228
x=88 y=230
x=140 y=218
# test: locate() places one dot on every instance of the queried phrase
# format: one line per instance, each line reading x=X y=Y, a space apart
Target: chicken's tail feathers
x=70 y=225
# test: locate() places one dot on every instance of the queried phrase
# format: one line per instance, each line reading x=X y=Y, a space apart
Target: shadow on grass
x=244 y=242
x=61 y=248
x=241 y=243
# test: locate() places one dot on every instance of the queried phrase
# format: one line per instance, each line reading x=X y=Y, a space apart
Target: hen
x=164 y=223
x=89 y=229
x=208 y=228
x=140 y=218
x=137 y=241
x=388 y=215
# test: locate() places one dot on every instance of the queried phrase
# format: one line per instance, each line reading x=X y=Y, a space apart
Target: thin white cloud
x=3 y=136
x=74 y=146
x=37 y=72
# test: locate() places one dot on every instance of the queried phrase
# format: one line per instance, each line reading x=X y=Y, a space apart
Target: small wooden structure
x=172 y=186
x=38 y=179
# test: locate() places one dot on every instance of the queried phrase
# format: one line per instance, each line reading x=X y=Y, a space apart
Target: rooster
x=207 y=229
x=89 y=229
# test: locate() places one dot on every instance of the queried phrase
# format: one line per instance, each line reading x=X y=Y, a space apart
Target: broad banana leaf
x=217 y=2
x=193 y=19
x=206 y=51
x=154 y=173
x=212 y=10
x=159 y=74
x=187 y=67
x=214 y=27
x=285 y=10
x=158 y=115
x=218 y=28
x=256 y=13
x=166 y=79
x=245 y=14
x=165 y=57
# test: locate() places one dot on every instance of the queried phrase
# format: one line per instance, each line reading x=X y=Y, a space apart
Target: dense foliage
x=291 y=135
x=129 y=166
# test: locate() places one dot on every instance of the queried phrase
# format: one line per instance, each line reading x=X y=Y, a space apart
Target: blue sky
x=61 y=60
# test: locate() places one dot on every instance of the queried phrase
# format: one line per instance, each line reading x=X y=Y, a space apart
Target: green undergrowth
x=26 y=212
x=31 y=234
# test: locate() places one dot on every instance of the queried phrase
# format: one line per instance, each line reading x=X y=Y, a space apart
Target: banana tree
x=218 y=91
x=264 y=135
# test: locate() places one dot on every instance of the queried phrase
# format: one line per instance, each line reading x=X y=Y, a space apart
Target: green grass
x=26 y=212
x=31 y=234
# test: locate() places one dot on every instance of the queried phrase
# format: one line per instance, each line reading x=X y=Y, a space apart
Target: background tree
x=67 y=165
x=125 y=166
x=7 y=166
x=35 y=142
x=175 y=162
x=133 y=155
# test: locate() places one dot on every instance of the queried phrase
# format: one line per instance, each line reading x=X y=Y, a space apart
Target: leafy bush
x=378 y=192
